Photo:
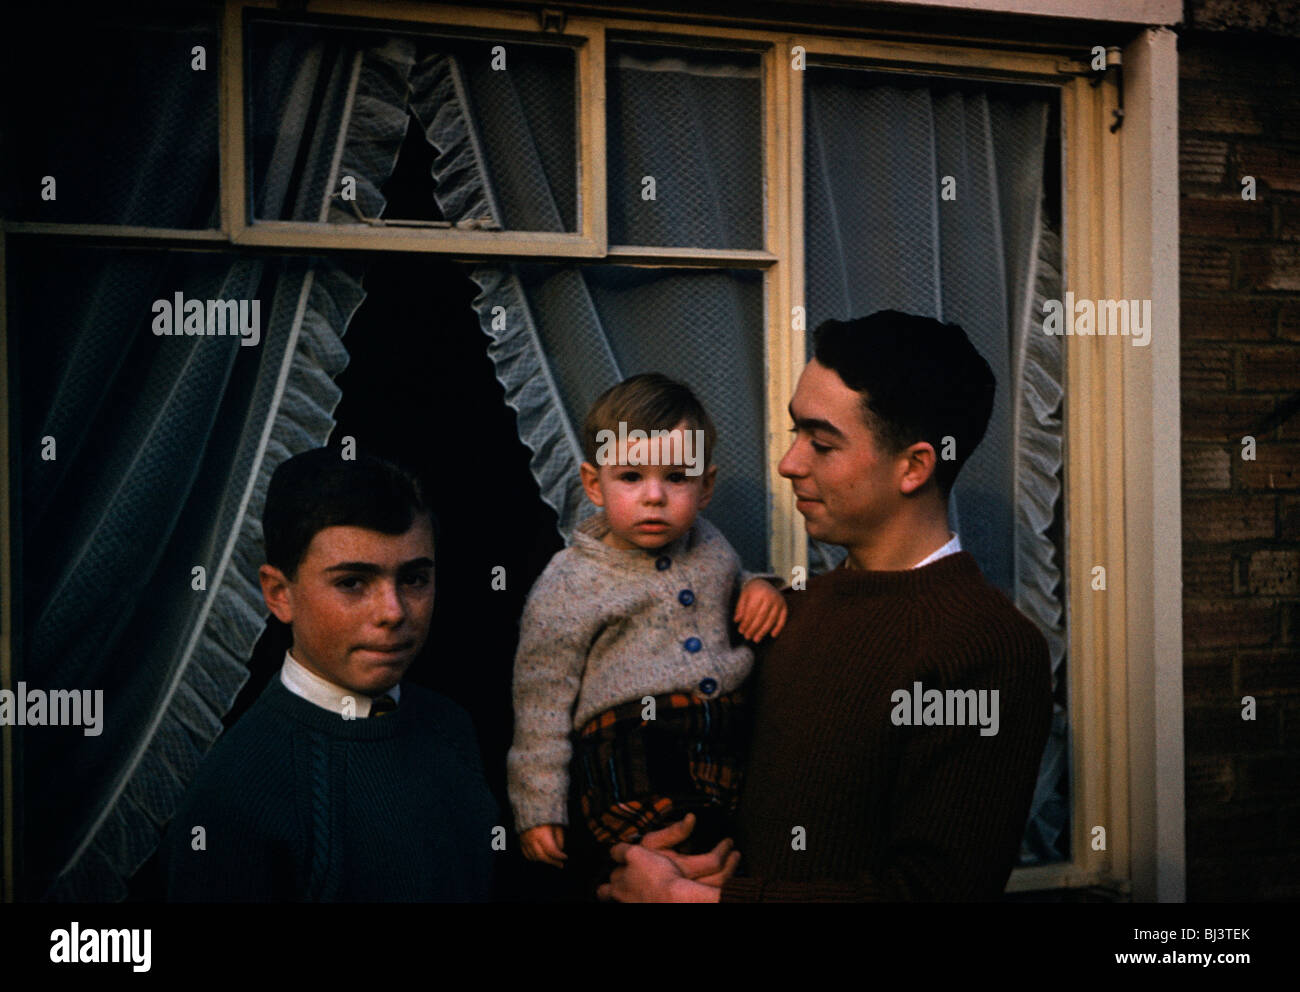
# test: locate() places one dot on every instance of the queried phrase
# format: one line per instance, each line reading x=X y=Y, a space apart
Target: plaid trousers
x=634 y=775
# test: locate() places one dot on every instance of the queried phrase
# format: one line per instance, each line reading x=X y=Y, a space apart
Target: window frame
x=1124 y=647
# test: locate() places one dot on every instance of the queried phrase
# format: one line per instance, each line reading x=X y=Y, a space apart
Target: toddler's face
x=648 y=501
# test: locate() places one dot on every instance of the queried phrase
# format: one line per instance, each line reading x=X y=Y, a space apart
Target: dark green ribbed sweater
x=890 y=812
x=299 y=804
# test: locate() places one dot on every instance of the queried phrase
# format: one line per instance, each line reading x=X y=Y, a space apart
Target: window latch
x=1113 y=60
x=551 y=19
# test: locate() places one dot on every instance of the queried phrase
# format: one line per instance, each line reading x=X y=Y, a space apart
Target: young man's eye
x=350 y=583
x=417 y=579
x=821 y=449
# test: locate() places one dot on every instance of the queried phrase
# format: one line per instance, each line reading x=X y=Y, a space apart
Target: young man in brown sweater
x=901 y=716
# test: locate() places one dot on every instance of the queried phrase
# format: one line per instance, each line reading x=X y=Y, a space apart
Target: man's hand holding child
x=654 y=872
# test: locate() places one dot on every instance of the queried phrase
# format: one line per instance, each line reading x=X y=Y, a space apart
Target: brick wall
x=1239 y=109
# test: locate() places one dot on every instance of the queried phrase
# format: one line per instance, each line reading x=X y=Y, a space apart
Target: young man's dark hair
x=923 y=381
x=319 y=489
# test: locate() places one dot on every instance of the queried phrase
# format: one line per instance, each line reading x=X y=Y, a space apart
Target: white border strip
x=1158 y=12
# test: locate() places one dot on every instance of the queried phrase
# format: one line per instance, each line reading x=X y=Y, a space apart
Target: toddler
x=626 y=675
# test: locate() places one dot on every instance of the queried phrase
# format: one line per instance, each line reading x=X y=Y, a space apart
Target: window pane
x=351 y=126
x=685 y=134
x=122 y=117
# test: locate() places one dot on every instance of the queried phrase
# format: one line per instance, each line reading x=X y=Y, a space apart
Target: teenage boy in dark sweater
x=901 y=716
x=340 y=783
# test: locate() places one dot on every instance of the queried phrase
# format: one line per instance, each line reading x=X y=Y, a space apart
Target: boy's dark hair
x=647 y=402
x=319 y=489
x=922 y=380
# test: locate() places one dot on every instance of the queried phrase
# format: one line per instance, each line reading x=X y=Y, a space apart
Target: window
x=598 y=177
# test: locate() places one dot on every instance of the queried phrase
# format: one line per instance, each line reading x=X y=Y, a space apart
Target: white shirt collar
x=951 y=548
x=303 y=682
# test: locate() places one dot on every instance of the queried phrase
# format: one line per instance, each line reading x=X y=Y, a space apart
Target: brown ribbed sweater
x=890 y=812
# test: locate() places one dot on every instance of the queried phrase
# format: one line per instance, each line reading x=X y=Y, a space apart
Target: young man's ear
x=918 y=468
x=706 y=486
x=591 y=483
x=275 y=590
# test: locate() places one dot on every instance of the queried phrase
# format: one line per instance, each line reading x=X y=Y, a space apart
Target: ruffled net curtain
x=165 y=449
x=880 y=235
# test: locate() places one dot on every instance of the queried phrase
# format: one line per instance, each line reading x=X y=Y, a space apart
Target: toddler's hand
x=760 y=610
x=544 y=843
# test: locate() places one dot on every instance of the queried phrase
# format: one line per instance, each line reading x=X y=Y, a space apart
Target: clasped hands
x=653 y=872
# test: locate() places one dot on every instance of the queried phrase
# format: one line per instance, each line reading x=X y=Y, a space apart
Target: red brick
x=1202 y=162
x=1219 y=731
x=1276 y=466
x=1264 y=673
x=1243 y=624
x=1234 y=58
x=1274 y=573
x=1289 y=725
x=1207 y=678
x=1271 y=267
x=1244 y=827
x=1271 y=776
x=1290 y=623
x=1222 y=418
x=1210 y=781
x=1216 y=519
x=1204 y=267
x=1222 y=319
x=1206 y=468
x=1269 y=369
x=1208 y=574
x=1290 y=820
x=1221 y=879
x=1206 y=369
x=1288 y=228
x=1278 y=167
x=1206 y=106
x=1288 y=326
x=1289 y=519
x=1225 y=218
x=1279 y=877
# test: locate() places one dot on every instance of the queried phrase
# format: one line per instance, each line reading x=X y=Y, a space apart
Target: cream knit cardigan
x=603 y=627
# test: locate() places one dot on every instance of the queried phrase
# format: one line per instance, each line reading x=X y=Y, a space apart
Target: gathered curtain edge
x=214 y=663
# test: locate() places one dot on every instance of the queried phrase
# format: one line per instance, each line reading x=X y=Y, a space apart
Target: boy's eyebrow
x=814 y=423
x=370 y=568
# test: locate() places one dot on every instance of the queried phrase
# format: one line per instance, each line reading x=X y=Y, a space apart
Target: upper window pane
x=351 y=126
x=685 y=147
x=118 y=126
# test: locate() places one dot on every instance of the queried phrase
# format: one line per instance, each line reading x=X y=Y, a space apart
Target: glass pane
x=685 y=133
x=352 y=126
x=122 y=118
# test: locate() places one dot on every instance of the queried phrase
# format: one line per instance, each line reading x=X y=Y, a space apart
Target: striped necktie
x=382 y=704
